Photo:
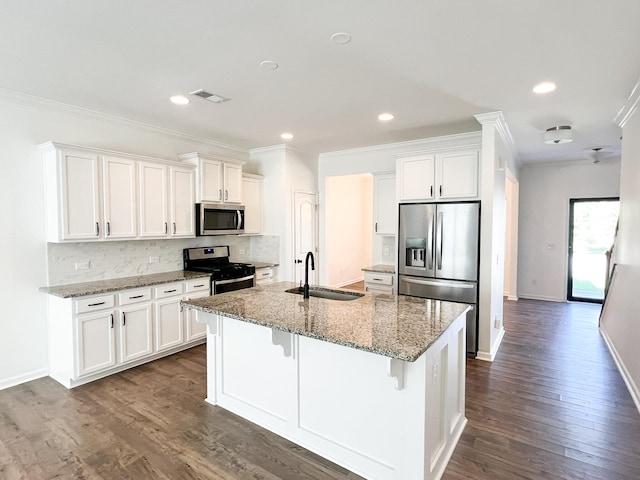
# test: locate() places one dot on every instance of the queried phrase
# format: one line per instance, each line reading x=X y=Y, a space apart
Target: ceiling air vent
x=212 y=97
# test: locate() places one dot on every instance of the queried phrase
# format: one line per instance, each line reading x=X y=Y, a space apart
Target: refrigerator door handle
x=430 y=241
x=438 y=283
x=440 y=242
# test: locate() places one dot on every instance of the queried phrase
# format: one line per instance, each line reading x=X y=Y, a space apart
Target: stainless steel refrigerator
x=438 y=256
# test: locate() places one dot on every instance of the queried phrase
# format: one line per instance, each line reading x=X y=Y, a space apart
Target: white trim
x=411 y=147
x=542 y=297
x=497 y=119
x=348 y=282
x=626 y=376
x=490 y=356
x=40 y=103
x=25 y=377
x=630 y=107
x=513 y=298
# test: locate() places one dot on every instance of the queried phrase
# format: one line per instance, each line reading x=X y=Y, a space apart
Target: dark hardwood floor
x=552 y=406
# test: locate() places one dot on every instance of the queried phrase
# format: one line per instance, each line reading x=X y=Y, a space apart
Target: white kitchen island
x=374 y=384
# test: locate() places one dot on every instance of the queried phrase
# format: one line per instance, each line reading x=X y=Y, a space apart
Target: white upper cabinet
x=119 y=192
x=219 y=180
x=440 y=176
x=252 y=186
x=100 y=195
x=72 y=195
x=385 y=206
x=182 y=202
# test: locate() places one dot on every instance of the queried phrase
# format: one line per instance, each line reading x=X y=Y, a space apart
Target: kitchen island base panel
x=382 y=418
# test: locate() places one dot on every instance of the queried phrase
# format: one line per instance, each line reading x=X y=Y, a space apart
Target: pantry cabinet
x=219 y=180
x=94 y=336
x=252 y=199
x=438 y=176
x=385 y=205
x=99 y=195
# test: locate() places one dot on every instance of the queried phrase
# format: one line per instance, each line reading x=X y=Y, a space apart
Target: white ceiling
x=432 y=63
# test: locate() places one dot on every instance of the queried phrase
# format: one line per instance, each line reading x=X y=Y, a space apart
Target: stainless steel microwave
x=219 y=219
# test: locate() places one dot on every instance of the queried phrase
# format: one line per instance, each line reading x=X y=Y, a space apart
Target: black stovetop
x=216 y=261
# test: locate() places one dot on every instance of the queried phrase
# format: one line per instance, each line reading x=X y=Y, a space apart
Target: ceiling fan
x=597 y=154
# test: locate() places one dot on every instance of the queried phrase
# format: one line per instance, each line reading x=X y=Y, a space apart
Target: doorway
x=592 y=226
x=304 y=233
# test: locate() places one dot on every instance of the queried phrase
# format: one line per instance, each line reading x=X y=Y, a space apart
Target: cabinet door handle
x=431 y=191
x=440 y=190
x=226 y=195
x=97 y=229
x=124 y=319
x=198 y=286
x=108 y=229
x=376 y=279
x=111 y=315
x=376 y=227
x=165 y=228
x=174 y=228
x=136 y=296
x=95 y=304
x=170 y=291
x=219 y=194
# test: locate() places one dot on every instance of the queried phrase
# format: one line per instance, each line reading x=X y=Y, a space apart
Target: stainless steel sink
x=327 y=293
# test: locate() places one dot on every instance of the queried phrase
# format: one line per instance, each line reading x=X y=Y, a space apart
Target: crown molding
x=497 y=119
x=630 y=107
x=45 y=104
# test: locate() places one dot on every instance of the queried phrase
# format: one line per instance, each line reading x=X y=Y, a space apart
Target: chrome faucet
x=305 y=288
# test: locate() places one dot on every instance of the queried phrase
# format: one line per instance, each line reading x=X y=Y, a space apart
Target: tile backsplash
x=109 y=260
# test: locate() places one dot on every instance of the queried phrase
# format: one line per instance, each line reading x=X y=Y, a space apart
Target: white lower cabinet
x=376 y=282
x=95 y=336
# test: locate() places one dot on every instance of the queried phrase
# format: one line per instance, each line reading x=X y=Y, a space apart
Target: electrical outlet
x=83 y=265
x=496 y=322
x=242 y=251
x=154 y=259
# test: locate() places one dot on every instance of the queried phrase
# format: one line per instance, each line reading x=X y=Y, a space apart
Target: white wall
x=512 y=190
x=24 y=123
x=620 y=322
x=543 y=237
x=349 y=204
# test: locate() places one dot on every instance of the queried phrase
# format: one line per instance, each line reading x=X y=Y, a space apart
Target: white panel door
x=168 y=324
x=416 y=178
x=304 y=225
x=153 y=200
x=119 y=191
x=80 y=196
x=135 y=332
x=211 y=181
x=457 y=174
x=232 y=183
x=95 y=348
x=182 y=205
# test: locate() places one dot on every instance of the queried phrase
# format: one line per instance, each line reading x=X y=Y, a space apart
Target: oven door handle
x=233 y=280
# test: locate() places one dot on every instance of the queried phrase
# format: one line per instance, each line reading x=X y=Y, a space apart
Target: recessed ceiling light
x=544 y=87
x=180 y=100
x=269 y=65
x=286 y=136
x=341 y=38
x=385 y=117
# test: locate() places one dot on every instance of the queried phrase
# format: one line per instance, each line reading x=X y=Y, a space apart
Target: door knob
x=297 y=261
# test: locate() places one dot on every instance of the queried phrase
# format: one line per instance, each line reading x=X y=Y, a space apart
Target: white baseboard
x=631 y=386
x=490 y=356
x=542 y=297
x=27 y=377
x=512 y=298
x=348 y=282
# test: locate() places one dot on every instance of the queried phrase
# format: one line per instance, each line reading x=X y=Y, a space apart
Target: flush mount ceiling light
x=269 y=65
x=212 y=97
x=544 y=87
x=385 y=117
x=286 y=136
x=556 y=135
x=341 y=38
x=180 y=100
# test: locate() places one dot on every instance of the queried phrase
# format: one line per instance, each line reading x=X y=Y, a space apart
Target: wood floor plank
x=551 y=406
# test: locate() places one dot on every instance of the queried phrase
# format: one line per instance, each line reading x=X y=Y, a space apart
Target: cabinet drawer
x=378 y=278
x=169 y=290
x=198 y=285
x=92 y=304
x=387 y=290
x=134 y=296
x=264 y=274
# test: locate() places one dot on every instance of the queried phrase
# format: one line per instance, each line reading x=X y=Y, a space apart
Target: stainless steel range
x=225 y=275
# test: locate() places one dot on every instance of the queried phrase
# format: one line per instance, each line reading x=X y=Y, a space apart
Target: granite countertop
x=105 y=286
x=262 y=264
x=380 y=268
x=394 y=326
